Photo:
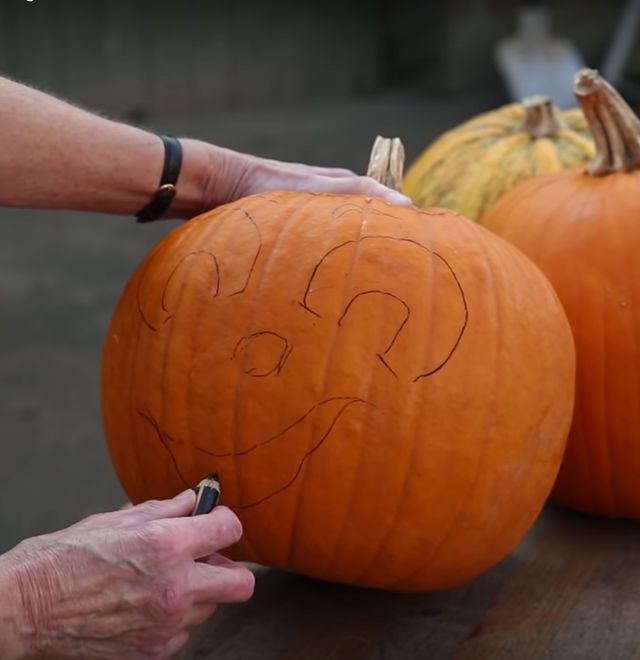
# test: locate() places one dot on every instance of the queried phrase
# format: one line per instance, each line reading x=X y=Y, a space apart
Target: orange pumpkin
x=582 y=228
x=384 y=391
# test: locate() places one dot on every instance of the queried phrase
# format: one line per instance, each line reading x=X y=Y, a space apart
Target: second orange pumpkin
x=583 y=229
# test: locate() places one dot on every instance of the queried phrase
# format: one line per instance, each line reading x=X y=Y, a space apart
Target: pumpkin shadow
x=291 y=612
x=565 y=553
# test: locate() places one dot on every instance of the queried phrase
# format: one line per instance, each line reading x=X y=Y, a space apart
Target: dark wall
x=127 y=56
x=133 y=58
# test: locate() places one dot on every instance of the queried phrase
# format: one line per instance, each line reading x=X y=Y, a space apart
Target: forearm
x=55 y=155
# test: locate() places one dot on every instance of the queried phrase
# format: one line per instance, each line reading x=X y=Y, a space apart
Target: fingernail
x=399 y=198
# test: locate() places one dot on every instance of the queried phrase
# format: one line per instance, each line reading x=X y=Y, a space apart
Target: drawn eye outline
x=280 y=358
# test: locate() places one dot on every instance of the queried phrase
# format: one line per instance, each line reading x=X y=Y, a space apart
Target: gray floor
x=61 y=273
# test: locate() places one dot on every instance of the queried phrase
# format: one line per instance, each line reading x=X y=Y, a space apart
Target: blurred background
x=312 y=82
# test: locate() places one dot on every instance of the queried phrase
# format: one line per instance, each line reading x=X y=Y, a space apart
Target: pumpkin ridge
x=192 y=340
x=416 y=441
x=545 y=157
x=498 y=272
x=614 y=488
x=321 y=394
x=476 y=189
x=286 y=429
x=167 y=343
x=383 y=540
x=328 y=568
x=577 y=141
x=285 y=224
x=130 y=413
x=247 y=545
x=385 y=165
x=442 y=149
x=318 y=444
x=490 y=413
x=606 y=421
x=212 y=228
x=362 y=235
x=579 y=425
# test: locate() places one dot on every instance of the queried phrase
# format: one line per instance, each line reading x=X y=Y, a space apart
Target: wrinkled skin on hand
x=234 y=175
x=126 y=584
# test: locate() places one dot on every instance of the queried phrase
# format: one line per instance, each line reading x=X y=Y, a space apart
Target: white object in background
x=622 y=43
x=535 y=62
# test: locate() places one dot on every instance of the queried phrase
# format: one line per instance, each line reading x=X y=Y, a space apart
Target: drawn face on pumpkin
x=295 y=343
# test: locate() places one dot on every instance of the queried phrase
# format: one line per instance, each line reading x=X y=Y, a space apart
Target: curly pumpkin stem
x=386 y=162
x=541 y=117
x=615 y=127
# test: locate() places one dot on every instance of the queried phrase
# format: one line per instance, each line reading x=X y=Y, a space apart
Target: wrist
x=190 y=198
x=12 y=643
x=209 y=176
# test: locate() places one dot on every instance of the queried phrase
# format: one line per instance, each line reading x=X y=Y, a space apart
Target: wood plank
x=293 y=617
x=576 y=597
x=571 y=590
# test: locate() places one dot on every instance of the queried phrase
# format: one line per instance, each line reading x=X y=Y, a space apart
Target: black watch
x=166 y=191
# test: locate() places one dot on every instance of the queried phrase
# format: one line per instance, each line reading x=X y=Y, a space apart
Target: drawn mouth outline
x=166 y=441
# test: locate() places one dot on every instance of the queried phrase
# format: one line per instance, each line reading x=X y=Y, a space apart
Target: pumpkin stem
x=615 y=127
x=387 y=162
x=541 y=117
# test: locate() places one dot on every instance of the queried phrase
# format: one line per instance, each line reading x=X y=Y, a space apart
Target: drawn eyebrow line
x=242 y=289
x=305 y=305
x=163 y=297
x=316 y=268
x=464 y=323
x=256 y=256
x=141 y=311
x=186 y=256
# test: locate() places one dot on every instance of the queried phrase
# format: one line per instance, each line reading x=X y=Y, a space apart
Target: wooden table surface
x=570 y=590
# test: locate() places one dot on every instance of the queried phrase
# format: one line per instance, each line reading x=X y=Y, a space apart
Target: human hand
x=124 y=584
x=228 y=175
